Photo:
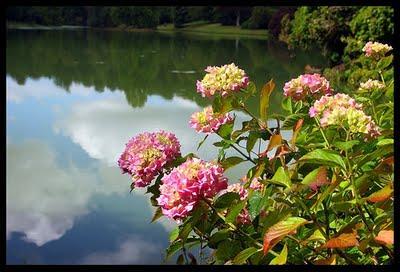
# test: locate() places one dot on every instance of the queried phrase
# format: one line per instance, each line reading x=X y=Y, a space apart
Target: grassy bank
x=218 y=29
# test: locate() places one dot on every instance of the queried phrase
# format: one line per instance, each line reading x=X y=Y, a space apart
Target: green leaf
x=217 y=104
x=225 y=200
x=251 y=140
x=225 y=131
x=234 y=212
x=281 y=177
x=218 y=237
x=385 y=142
x=316 y=178
x=185 y=230
x=280 y=230
x=325 y=157
x=256 y=203
x=230 y=162
x=287 y=104
x=227 y=249
x=157 y=214
x=281 y=258
x=384 y=62
x=291 y=120
x=264 y=99
x=173 y=235
x=244 y=255
x=177 y=245
x=202 y=141
x=346 y=145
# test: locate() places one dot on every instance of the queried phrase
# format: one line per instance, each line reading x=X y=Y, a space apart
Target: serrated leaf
x=344 y=240
x=157 y=214
x=325 y=157
x=244 y=255
x=274 y=141
x=281 y=177
x=281 y=229
x=264 y=99
x=281 y=258
x=381 y=195
x=234 y=212
x=385 y=237
x=225 y=200
x=230 y=162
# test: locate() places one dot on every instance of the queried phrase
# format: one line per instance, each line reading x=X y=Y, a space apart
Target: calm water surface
x=74 y=98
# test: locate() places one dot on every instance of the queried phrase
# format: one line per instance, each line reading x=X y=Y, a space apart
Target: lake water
x=74 y=98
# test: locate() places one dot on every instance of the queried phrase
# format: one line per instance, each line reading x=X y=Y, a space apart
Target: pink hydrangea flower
x=207 y=121
x=305 y=85
x=342 y=110
x=183 y=188
x=146 y=155
x=223 y=80
x=376 y=50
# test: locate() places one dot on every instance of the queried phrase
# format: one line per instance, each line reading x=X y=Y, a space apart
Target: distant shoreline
x=205 y=29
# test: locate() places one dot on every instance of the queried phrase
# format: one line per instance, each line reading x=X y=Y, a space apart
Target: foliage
x=369 y=24
x=274 y=25
x=260 y=17
x=323 y=195
x=338 y=31
x=180 y=17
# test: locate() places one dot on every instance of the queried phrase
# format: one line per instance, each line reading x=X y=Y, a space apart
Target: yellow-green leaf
x=281 y=258
x=264 y=99
x=244 y=255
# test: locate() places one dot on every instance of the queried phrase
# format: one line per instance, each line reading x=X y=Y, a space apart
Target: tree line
x=145 y=17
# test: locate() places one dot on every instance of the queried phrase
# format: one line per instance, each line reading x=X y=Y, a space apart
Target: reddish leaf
x=386 y=165
x=281 y=229
x=342 y=241
x=385 y=237
x=274 y=141
x=330 y=261
x=320 y=179
x=381 y=195
x=296 y=130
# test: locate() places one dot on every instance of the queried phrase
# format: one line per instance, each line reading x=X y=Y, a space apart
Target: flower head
x=146 y=154
x=207 y=121
x=183 y=188
x=222 y=79
x=305 y=85
x=342 y=110
x=376 y=50
x=371 y=85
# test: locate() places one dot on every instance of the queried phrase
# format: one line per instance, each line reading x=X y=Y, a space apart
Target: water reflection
x=73 y=99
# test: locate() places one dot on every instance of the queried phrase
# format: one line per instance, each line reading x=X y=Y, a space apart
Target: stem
x=383 y=80
x=258 y=121
x=244 y=155
x=232 y=226
x=322 y=132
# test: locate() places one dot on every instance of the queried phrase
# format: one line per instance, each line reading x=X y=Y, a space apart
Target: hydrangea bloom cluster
x=207 y=121
x=308 y=84
x=341 y=109
x=371 y=85
x=222 y=79
x=187 y=184
x=146 y=154
x=376 y=49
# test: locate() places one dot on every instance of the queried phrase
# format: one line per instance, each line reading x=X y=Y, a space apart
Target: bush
x=369 y=24
x=260 y=17
x=274 y=25
x=322 y=195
